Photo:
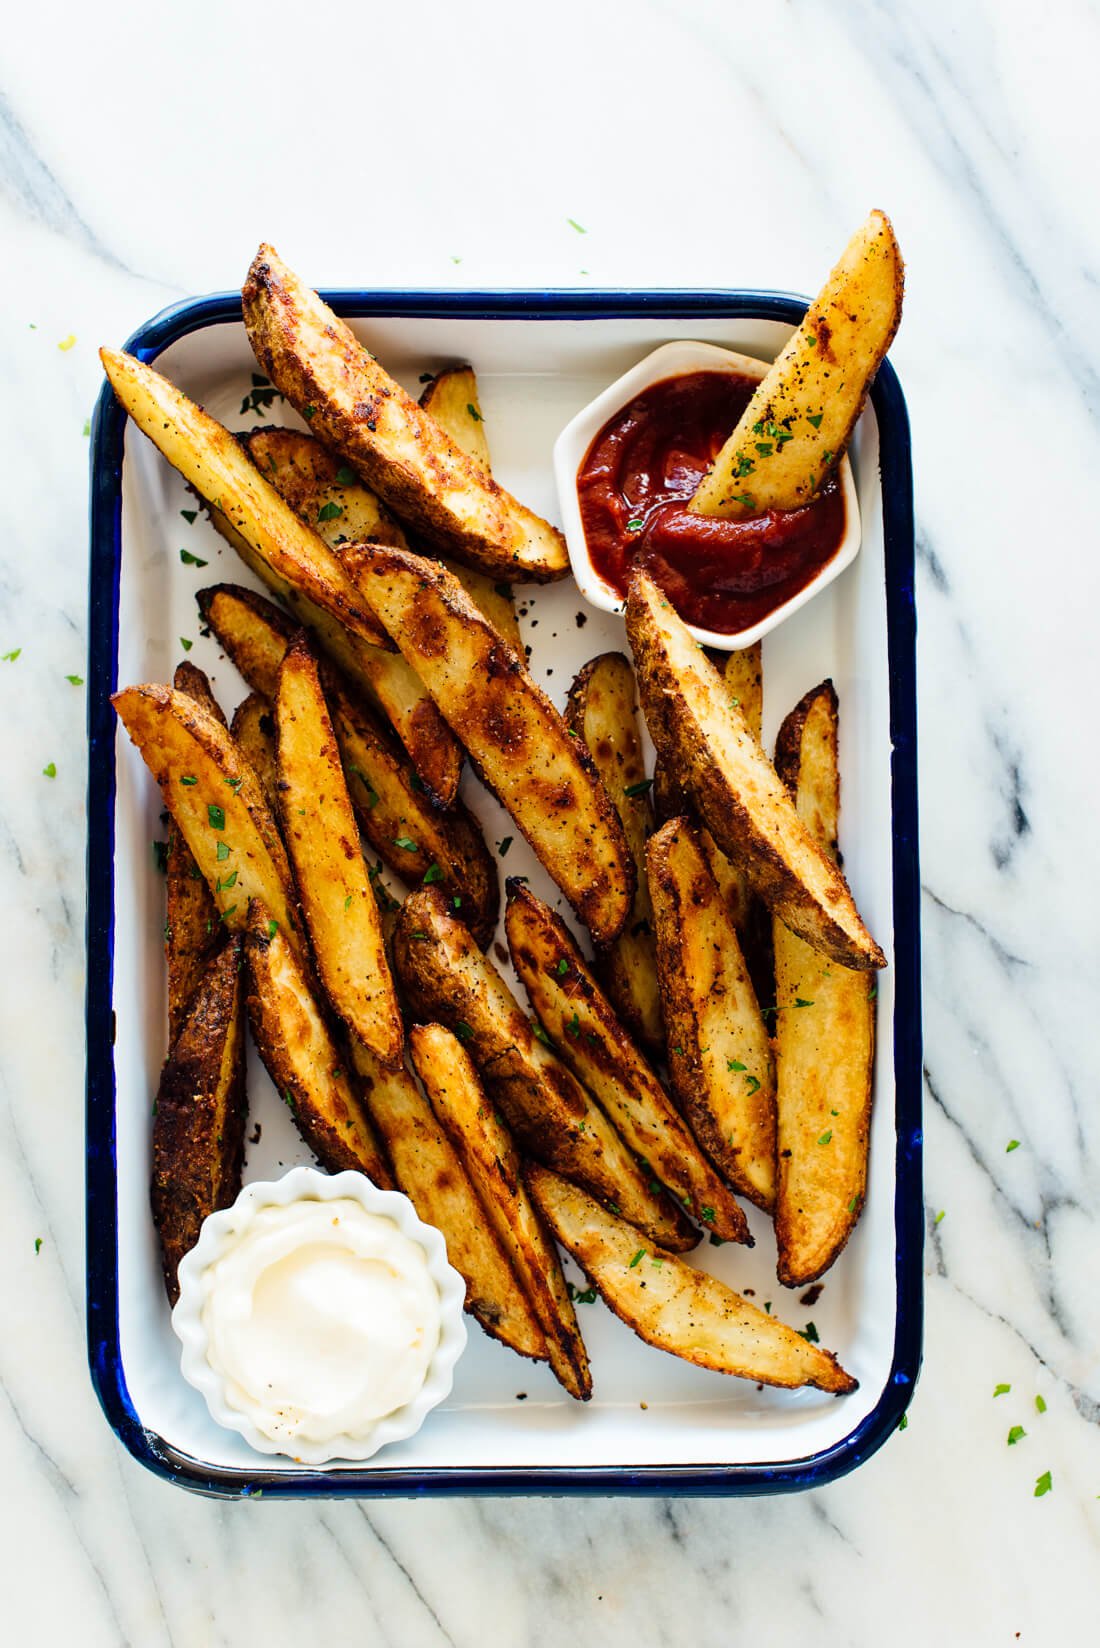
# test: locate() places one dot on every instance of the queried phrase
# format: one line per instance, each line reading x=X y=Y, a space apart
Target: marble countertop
x=143 y=154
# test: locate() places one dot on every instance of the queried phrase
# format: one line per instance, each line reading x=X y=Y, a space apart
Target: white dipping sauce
x=321 y=1319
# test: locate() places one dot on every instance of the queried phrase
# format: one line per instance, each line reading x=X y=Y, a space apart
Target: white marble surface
x=143 y=153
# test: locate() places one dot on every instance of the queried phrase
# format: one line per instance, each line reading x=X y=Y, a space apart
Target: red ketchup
x=635 y=485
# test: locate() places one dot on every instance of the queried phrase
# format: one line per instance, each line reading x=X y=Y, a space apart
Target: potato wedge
x=485 y=1147
x=191 y=929
x=825 y=1035
x=301 y=1057
x=719 y=1053
x=743 y=674
x=396 y=447
x=253 y=730
x=429 y=1171
x=581 y=1023
x=328 y=498
x=210 y=459
x=676 y=1308
x=445 y=978
x=801 y=417
x=710 y=750
x=199 y=1115
x=323 y=840
x=217 y=802
x=412 y=838
x=452 y=400
x=520 y=745
x=602 y=711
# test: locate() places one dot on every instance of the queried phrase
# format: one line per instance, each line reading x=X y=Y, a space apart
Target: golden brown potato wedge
x=199 y=1115
x=323 y=840
x=211 y=460
x=676 y=1308
x=719 y=1053
x=743 y=674
x=217 y=802
x=801 y=417
x=485 y=1147
x=412 y=837
x=302 y=1058
x=432 y=1176
x=330 y=499
x=602 y=710
x=710 y=750
x=446 y=978
x=518 y=741
x=191 y=929
x=253 y=729
x=397 y=448
x=452 y=400
x=825 y=1035
x=581 y=1023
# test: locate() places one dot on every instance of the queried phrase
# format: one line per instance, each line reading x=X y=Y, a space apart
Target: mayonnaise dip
x=321 y=1319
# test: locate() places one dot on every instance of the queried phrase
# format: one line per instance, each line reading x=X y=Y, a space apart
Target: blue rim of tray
x=104 y=1354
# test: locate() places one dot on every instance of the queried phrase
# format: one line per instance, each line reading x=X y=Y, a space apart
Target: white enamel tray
x=654 y=1423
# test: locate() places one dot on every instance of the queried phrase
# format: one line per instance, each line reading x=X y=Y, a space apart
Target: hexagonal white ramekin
x=571 y=448
x=308 y=1184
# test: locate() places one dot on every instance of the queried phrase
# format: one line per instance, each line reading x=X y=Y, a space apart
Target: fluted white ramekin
x=220 y=1231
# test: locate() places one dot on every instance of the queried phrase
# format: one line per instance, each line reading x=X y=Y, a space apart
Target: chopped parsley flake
x=192 y=560
x=574 y=1026
x=562 y=967
x=707 y=1215
x=588 y=1297
x=190 y=516
x=634 y=526
x=637 y=1259
x=272 y=928
x=216 y=815
x=503 y=846
x=799 y=1002
x=734 y=1064
x=903 y=1422
x=572 y=222
x=643 y=787
x=432 y=874
x=1043 y=1484
x=38 y=1244
x=329 y=512
x=1040 y=1405
x=75 y=680
x=406 y=842
x=346 y=476
x=10 y=657
x=1013 y=1144
x=184 y=643
x=347 y=901
x=50 y=770
x=463 y=1031
x=222 y=852
x=810 y=1333
x=540 y=1034
x=188 y=780
x=1001 y=1390
x=754 y=1085
x=1014 y=1435
x=940 y=1216
x=474 y=413
x=826 y=1137
x=815 y=418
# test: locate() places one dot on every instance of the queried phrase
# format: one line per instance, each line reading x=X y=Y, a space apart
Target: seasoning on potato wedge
x=323 y=840
x=445 y=978
x=301 y=1057
x=825 y=1034
x=218 y=803
x=429 y=1171
x=602 y=710
x=487 y=1150
x=800 y=419
x=711 y=752
x=719 y=1052
x=199 y=1114
x=191 y=929
x=678 y=1309
x=393 y=444
x=212 y=461
x=581 y=1023
x=518 y=742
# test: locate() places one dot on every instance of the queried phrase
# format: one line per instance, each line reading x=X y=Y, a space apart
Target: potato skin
x=516 y=739
x=191 y=930
x=199 y=1115
x=710 y=750
x=447 y=980
x=397 y=448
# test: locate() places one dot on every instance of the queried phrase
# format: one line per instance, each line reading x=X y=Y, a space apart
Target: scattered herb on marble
x=940 y=1216
x=1043 y=1484
x=50 y=770
x=75 y=680
x=10 y=657
x=192 y=560
x=573 y=224
x=1013 y=1144
x=903 y=1422
x=87 y=426
x=1014 y=1435
x=38 y=1244
x=1040 y=1405
x=1001 y=1390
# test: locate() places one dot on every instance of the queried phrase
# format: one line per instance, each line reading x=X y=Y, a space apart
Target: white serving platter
x=654 y=1422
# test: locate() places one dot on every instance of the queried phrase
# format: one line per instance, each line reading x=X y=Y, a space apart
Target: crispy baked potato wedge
x=710 y=750
x=516 y=738
x=602 y=711
x=485 y=1147
x=446 y=978
x=429 y=1171
x=412 y=838
x=452 y=400
x=331 y=500
x=719 y=1053
x=212 y=461
x=253 y=730
x=323 y=840
x=581 y=1023
x=825 y=1035
x=801 y=417
x=199 y=1115
x=393 y=444
x=191 y=929
x=217 y=802
x=301 y=1057
x=676 y=1308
